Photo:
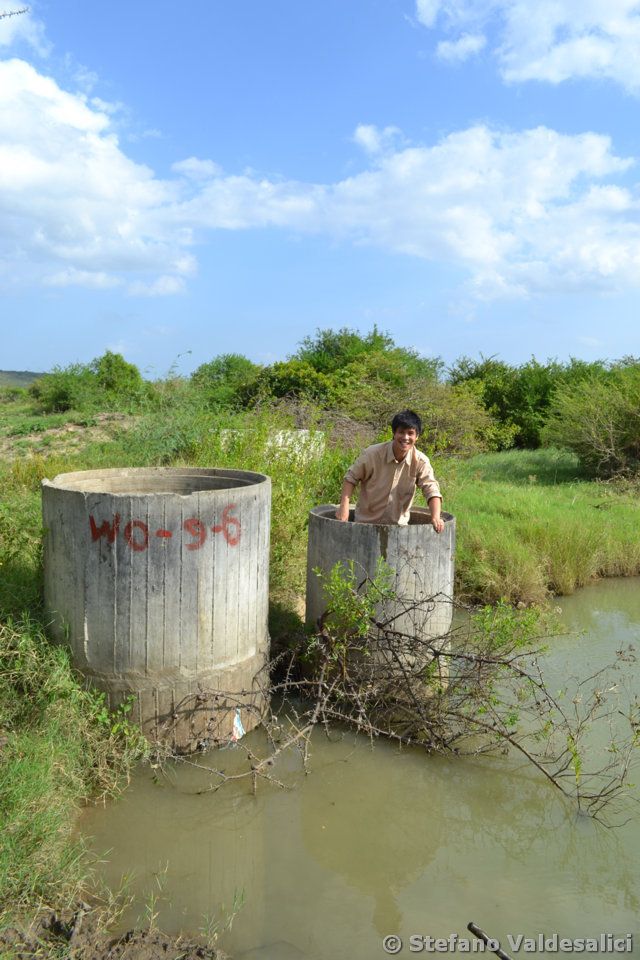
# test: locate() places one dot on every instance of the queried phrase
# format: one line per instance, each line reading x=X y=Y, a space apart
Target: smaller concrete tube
x=421 y=559
x=158 y=580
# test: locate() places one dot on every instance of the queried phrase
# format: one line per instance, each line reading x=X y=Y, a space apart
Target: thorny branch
x=13 y=13
x=479 y=689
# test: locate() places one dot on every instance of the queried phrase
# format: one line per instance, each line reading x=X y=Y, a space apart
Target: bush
x=293 y=379
x=11 y=394
x=65 y=388
x=454 y=420
x=519 y=398
x=599 y=420
x=107 y=382
x=226 y=379
x=330 y=351
x=117 y=378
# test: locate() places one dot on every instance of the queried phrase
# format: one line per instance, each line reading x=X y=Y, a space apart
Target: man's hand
x=438 y=524
x=342 y=513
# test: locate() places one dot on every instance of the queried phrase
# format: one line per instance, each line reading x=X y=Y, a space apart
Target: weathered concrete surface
x=158 y=580
x=422 y=561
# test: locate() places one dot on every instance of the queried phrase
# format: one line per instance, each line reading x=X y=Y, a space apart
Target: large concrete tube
x=422 y=562
x=158 y=580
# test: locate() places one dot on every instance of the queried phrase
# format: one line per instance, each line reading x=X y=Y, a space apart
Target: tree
x=332 y=350
x=226 y=379
x=599 y=420
x=114 y=375
x=519 y=397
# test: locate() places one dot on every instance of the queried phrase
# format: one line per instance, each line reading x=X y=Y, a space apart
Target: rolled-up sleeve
x=426 y=481
x=358 y=470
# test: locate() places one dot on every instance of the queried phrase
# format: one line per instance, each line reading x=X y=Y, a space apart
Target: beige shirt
x=387 y=486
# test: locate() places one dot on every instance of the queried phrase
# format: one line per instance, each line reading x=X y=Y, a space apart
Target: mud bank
x=79 y=933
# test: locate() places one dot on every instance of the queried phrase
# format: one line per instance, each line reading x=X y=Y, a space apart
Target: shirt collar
x=391 y=456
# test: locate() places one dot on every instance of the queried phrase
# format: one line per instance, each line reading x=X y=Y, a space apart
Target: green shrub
x=293 y=379
x=226 y=379
x=599 y=420
x=108 y=382
x=117 y=378
x=65 y=388
x=330 y=351
x=455 y=422
x=11 y=394
x=519 y=397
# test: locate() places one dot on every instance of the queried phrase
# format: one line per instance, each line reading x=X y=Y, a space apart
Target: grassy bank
x=59 y=747
x=529 y=525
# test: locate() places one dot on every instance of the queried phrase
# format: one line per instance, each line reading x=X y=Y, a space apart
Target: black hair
x=408 y=419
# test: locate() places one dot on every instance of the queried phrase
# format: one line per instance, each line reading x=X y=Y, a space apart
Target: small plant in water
x=352 y=601
x=214 y=926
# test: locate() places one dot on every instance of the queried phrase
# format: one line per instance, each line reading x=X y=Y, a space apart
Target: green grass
x=529 y=525
x=60 y=746
x=20 y=417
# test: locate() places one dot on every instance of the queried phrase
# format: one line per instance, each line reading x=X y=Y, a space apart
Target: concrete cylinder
x=422 y=562
x=158 y=580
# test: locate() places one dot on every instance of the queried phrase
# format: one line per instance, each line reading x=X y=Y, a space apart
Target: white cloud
x=517 y=212
x=158 y=288
x=520 y=212
x=455 y=51
x=427 y=11
x=104 y=106
x=373 y=140
x=71 y=277
x=197 y=169
x=74 y=207
x=549 y=40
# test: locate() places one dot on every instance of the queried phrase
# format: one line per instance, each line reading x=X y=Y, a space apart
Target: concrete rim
x=80 y=481
x=326 y=511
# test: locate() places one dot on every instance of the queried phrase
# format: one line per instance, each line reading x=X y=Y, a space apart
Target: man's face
x=404 y=438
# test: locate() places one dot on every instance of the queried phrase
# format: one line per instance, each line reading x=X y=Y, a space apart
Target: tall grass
x=530 y=525
x=59 y=747
x=58 y=743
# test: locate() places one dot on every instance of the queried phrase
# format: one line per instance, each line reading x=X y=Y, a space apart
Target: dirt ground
x=64 y=439
x=79 y=934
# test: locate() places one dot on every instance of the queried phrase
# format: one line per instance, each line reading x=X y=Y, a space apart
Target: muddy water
x=377 y=842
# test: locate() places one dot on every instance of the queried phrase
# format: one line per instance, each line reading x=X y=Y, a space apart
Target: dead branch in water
x=478 y=690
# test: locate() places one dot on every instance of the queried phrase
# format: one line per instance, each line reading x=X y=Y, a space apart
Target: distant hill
x=17 y=378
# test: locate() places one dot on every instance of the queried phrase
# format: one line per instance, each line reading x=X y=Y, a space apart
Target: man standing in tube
x=388 y=474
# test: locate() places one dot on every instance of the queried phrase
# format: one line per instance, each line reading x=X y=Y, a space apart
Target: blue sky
x=179 y=181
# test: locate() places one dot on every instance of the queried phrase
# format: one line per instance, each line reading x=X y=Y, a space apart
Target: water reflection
x=380 y=841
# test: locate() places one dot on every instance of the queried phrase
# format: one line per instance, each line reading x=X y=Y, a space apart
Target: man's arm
x=430 y=487
x=342 y=513
x=435 y=506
